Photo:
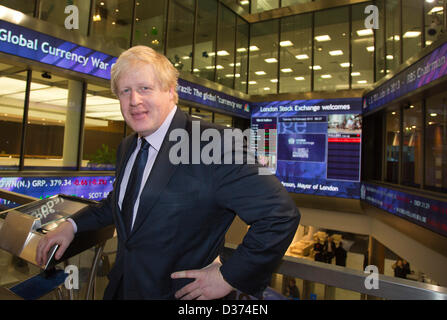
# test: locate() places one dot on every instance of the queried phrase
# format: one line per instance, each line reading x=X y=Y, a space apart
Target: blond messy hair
x=165 y=73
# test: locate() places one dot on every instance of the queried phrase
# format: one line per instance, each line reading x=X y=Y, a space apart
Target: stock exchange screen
x=92 y=187
x=313 y=146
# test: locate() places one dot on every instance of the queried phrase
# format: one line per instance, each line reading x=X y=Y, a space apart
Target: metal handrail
x=390 y=288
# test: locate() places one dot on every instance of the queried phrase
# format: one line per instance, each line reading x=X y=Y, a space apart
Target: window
x=263 y=76
x=392 y=144
x=225 y=49
x=263 y=5
x=411 y=27
x=149 y=26
x=25 y=6
x=393 y=34
x=362 y=74
x=12 y=96
x=379 y=46
x=103 y=129
x=54 y=12
x=412 y=145
x=180 y=33
x=331 y=49
x=112 y=21
x=436 y=143
x=296 y=53
x=434 y=18
x=50 y=120
x=205 y=46
x=241 y=67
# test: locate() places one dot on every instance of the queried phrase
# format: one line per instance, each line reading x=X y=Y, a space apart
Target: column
x=72 y=124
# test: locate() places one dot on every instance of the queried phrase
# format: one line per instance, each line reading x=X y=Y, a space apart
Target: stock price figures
x=93 y=187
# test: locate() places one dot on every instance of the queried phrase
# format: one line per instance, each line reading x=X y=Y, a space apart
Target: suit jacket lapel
x=160 y=174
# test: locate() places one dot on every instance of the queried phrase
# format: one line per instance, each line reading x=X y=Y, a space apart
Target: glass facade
x=392 y=145
x=412 y=152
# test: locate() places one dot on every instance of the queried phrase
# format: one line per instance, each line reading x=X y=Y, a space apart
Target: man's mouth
x=138 y=115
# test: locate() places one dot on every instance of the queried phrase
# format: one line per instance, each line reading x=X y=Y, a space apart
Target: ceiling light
x=355 y=74
x=302 y=57
x=241 y=49
x=286 y=70
x=222 y=53
x=362 y=82
x=244 y=2
x=326 y=76
x=219 y=67
x=412 y=34
x=260 y=73
x=274 y=80
x=254 y=48
x=315 y=67
x=336 y=53
x=270 y=60
x=390 y=57
x=436 y=10
x=344 y=65
x=370 y=49
x=299 y=78
x=252 y=82
x=393 y=113
x=433 y=114
x=365 y=32
x=323 y=38
x=266 y=89
x=286 y=43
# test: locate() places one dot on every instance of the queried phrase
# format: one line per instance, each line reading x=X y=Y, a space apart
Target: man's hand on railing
x=63 y=235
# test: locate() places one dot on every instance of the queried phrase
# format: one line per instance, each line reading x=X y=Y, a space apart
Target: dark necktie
x=134 y=184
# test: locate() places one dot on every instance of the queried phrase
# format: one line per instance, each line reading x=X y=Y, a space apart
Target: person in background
x=292 y=289
x=340 y=255
x=329 y=253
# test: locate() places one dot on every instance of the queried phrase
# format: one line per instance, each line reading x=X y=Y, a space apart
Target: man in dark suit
x=171 y=218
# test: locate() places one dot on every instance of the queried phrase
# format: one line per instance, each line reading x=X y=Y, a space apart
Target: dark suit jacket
x=184 y=213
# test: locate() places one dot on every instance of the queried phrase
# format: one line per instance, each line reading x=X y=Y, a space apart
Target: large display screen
x=313 y=146
x=92 y=188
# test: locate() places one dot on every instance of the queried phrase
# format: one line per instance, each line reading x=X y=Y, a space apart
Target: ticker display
x=92 y=187
x=313 y=146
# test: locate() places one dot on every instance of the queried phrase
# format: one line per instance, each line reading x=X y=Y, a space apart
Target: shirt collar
x=156 y=139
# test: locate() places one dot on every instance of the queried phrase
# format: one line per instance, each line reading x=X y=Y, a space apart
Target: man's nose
x=135 y=98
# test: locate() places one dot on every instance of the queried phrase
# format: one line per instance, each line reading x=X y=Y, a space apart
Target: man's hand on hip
x=63 y=235
x=209 y=283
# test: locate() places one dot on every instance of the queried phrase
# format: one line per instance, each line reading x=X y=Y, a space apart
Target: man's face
x=144 y=104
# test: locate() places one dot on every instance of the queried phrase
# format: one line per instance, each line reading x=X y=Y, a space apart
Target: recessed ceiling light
x=362 y=82
x=286 y=70
x=436 y=10
x=266 y=89
x=390 y=57
x=252 y=82
x=355 y=74
x=323 y=38
x=244 y=2
x=412 y=34
x=260 y=73
x=433 y=114
x=274 y=80
x=241 y=49
x=336 y=53
x=286 y=43
x=222 y=53
x=370 y=49
x=315 y=67
x=326 y=76
x=299 y=78
x=271 y=60
x=302 y=57
x=254 y=48
x=365 y=32
x=344 y=65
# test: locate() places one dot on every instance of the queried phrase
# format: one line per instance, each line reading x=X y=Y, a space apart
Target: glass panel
x=47 y=119
x=392 y=145
x=223 y=120
x=150 y=25
x=180 y=32
x=263 y=5
x=362 y=50
x=197 y=113
x=436 y=143
x=225 y=50
x=434 y=17
x=12 y=93
x=296 y=53
x=263 y=76
x=54 y=12
x=380 y=42
x=112 y=21
x=241 y=70
x=205 y=48
x=392 y=35
x=103 y=129
x=411 y=27
x=412 y=145
x=331 y=49
x=25 y=6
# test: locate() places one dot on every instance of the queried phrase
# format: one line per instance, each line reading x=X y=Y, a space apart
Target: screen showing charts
x=313 y=146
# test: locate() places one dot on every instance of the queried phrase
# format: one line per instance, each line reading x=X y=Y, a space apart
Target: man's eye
x=125 y=91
